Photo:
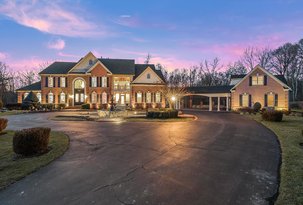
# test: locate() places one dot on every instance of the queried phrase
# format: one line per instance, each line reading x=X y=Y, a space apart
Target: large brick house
x=98 y=81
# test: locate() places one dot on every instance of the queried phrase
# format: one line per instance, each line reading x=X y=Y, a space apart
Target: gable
x=84 y=64
x=154 y=78
x=99 y=70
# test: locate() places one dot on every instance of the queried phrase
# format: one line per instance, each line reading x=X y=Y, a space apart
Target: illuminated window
x=245 y=100
x=39 y=97
x=104 y=98
x=117 y=97
x=258 y=80
x=50 y=82
x=270 y=100
x=139 y=97
x=94 y=97
x=62 y=82
x=94 y=82
x=79 y=84
x=158 y=97
x=148 y=97
x=50 y=98
x=104 y=82
x=62 y=97
x=127 y=98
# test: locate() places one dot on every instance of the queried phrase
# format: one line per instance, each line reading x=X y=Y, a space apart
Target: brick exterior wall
x=153 y=89
x=258 y=92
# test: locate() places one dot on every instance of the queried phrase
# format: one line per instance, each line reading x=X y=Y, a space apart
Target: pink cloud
x=57 y=44
x=3 y=56
x=33 y=63
x=49 y=17
x=127 y=20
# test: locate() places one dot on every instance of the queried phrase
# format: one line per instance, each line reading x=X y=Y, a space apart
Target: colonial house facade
x=98 y=81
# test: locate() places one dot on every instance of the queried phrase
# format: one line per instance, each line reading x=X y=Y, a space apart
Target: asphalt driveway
x=222 y=158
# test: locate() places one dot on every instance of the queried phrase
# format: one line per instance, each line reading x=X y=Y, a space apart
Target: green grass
x=12 y=169
x=12 y=112
x=289 y=133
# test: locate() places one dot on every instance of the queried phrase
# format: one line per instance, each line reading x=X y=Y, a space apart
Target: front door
x=79 y=96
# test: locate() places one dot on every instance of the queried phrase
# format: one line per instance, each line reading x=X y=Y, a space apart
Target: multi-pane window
x=104 y=98
x=50 y=98
x=117 y=97
x=270 y=100
x=127 y=98
x=94 y=97
x=245 y=100
x=94 y=82
x=62 y=82
x=148 y=97
x=62 y=97
x=139 y=97
x=258 y=80
x=39 y=97
x=104 y=81
x=50 y=82
x=158 y=97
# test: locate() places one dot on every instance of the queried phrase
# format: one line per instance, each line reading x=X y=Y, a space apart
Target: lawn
x=289 y=133
x=12 y=112
x=13 y=169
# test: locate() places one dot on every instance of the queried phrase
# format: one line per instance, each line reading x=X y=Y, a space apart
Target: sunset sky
x=176 y=33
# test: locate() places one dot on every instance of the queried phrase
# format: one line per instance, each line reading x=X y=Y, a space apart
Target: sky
x=176 y=33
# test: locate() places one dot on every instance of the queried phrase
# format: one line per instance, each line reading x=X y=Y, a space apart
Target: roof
x=210 y=89
x=31 y=97
x=119 y=66
x=140 y=68
x=279 y=77
x=58 y=68
x=32 y=87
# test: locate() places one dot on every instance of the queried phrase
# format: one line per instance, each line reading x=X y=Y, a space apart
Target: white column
x=218 y=103
x=210 y=104
x=227 y=103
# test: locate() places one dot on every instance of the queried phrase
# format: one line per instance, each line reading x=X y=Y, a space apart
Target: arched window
x=94 y=97
x=104 y=98
x=148 y=97
x=62 y=97
x=39 y=97
x=50 y=97
x=148 y=76
x=79 y=84
x=90 y=62
x=158 y=97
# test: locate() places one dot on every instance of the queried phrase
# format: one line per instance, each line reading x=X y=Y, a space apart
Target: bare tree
x=147 y=58
x=249 y=58
x=263 y=57
x=209 y=72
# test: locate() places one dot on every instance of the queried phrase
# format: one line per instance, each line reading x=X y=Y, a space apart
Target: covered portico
x=211 y=98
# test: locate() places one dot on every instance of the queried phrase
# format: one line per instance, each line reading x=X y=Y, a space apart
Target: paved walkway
x=222 y=158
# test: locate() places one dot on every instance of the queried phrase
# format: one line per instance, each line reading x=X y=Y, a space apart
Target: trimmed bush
x=48 y=106
x=272 y=115
x=13 y=106
x=246 y=110
x=61 y=106
x=162 y=113
x=85 y=106
x=257 y=107
x=31 y=141
x=3 y=124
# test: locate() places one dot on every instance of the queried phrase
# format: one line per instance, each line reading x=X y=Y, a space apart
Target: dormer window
x=90 y=62
x=148 y=76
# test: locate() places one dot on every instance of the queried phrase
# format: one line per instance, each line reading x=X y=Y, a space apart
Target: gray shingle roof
x=139 y=68
x=33 y=87
x=210 y=89
x=119 y=66
x=58 y=68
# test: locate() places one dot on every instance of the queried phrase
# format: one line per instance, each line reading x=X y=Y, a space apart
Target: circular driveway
x=221 y=158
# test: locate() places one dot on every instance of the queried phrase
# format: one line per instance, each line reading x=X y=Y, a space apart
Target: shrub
x=61 y=106
x=85 y=106
x=13 y=106
x=31 y=141
x=3 y=124
x=48 y=106
x=257 y=107
x=246 y=110
x=272 y=115
x=1 y=104
x=162 y=113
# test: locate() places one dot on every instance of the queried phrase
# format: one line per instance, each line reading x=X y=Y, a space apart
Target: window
x=79 y=84
x=39 y=97
x=245 y=100
x=62 y=97
x=148 y=97
x=104 y=82
x=90 y=62
x=94 y=82
x=158 y=97
x=25 y=95
x=50 y=98
x=148 y=76
x=62 y=82
x=139 y=97
x=127 y=98
x=50 y=82
x=104 y=98
x=117 y=97
x=258 y=80
x=270 y=100
x=94 y=97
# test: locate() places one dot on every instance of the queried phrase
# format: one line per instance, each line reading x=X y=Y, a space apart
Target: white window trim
x=94 y=82
x=61 y=95
x=62 y=82
x=104 y=82
x=139 y=94
x=50 y=82
x=50 y=96
x=158 y=97
x=104 y=98
x=94 y=97
x=148 y=97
